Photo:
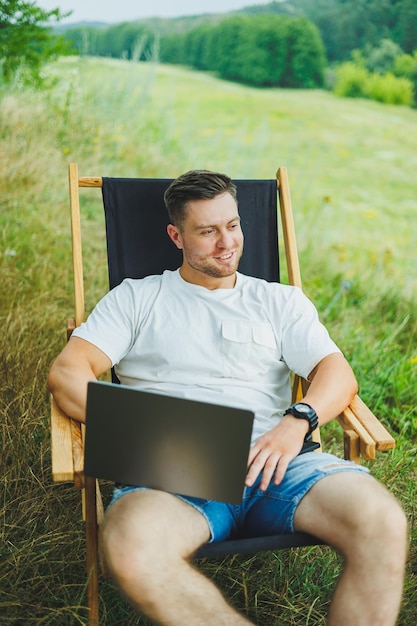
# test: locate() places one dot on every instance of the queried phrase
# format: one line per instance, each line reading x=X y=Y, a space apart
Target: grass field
x=352 y=171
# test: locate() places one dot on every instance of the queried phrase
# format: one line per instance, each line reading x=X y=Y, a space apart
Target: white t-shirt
x=227 y=346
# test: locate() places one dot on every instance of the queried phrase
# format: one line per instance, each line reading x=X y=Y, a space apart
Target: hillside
x=351 y=167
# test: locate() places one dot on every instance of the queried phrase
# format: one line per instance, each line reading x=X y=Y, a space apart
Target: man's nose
x=225 y=239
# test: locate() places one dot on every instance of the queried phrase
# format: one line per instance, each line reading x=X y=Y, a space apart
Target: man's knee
x=389 y=520
x=377 y=510
x=350 y=508
x=146 y=532
x=125 y=543
x=376 y=522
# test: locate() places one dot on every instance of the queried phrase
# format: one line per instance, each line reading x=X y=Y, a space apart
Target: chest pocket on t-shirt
x=249 y=348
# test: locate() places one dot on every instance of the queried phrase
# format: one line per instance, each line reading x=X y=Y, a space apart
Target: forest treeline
x=263 y=50
x=357 y=48
x=344 y=25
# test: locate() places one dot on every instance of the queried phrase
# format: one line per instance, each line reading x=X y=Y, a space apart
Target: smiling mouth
x=224 y=257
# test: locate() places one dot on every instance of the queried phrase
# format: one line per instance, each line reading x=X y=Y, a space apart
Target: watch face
x=302 y=408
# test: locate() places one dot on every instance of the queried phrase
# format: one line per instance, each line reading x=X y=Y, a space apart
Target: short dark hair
x=195 y=185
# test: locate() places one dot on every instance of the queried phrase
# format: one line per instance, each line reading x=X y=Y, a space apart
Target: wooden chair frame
x=363 y=433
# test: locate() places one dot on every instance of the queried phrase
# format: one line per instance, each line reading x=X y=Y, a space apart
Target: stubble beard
x=210 y=269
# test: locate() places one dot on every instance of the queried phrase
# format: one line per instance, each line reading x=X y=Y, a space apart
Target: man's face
x=211 y=240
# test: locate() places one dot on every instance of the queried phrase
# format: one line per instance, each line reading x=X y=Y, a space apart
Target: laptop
x=139 y=437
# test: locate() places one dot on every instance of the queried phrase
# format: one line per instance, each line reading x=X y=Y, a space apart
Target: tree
x=224 y=45
x=127 y=40
x=263 y=50
x=407 y=26
x=26 y=41
x=382 y=58
x=306 y=59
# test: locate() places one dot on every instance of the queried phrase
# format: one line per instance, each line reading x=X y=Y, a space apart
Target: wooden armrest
x=372 y=434
x=67 y=436
x=356 y=419
x=383 y=439
x=61 y=445
x=351 y=445
x=78 y=434
x=367 y=446
x=67 y=449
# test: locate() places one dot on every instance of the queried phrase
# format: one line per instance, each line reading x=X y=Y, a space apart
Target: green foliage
x=405 y=31
x=383 y=73
x=405 y=65
x=351 y=80
x=262 y=54
x=276 y=44
x=223 y=54
x=348 y=25
x=25 y=41
x=127 y=40
x=390 y=89
x=381 y=59
x=354 y=81
x=259 y=50
x=305 y=55
x=195 y=47
x=172 y=47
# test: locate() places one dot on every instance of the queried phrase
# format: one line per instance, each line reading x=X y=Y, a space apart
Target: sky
x=113 y=11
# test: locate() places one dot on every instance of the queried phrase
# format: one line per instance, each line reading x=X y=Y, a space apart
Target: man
x=208 y=332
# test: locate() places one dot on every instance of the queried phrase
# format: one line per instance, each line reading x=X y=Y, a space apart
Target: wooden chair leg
x=91 y=530
x=351 y=446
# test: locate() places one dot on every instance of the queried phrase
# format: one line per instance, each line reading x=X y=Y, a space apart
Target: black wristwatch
x=304 y=411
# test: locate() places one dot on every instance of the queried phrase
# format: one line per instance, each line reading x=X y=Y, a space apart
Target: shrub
x=382 y=58
x=390 y=89
x=351 y=80
x=354 y=81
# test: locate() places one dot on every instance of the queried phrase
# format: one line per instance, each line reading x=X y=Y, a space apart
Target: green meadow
x=352 y=169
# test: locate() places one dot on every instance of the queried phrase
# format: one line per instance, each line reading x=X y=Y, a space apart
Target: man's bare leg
x=148 y=538
x=361 y=520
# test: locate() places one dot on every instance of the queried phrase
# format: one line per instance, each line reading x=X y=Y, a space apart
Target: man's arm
x=333 y=386
x=77 y=364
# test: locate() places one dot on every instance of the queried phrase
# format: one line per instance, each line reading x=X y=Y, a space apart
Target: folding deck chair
x=129 y=205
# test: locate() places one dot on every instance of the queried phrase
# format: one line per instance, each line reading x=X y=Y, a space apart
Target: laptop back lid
x=174 y=444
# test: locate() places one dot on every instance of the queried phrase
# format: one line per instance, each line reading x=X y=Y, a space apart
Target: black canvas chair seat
x=250 y=545
x=136 y=221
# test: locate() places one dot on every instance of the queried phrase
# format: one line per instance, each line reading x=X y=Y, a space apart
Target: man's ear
x=175 y=235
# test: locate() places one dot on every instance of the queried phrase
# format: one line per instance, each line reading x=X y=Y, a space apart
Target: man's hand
x=332 y=388
x=272 y=453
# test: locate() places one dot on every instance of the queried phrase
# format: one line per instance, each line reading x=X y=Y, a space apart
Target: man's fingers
x=269 y=458
x=265 y=463
x=281 y=469
x=253 y=453
x=255 y=467
x=268 y=471
x=272 y=467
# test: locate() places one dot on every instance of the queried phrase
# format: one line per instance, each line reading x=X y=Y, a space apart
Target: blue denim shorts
x=263 y=513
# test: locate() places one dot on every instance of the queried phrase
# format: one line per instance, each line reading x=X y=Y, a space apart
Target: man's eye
x=207 y=232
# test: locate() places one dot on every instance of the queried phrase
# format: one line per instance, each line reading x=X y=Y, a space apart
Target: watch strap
x=309 y=415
